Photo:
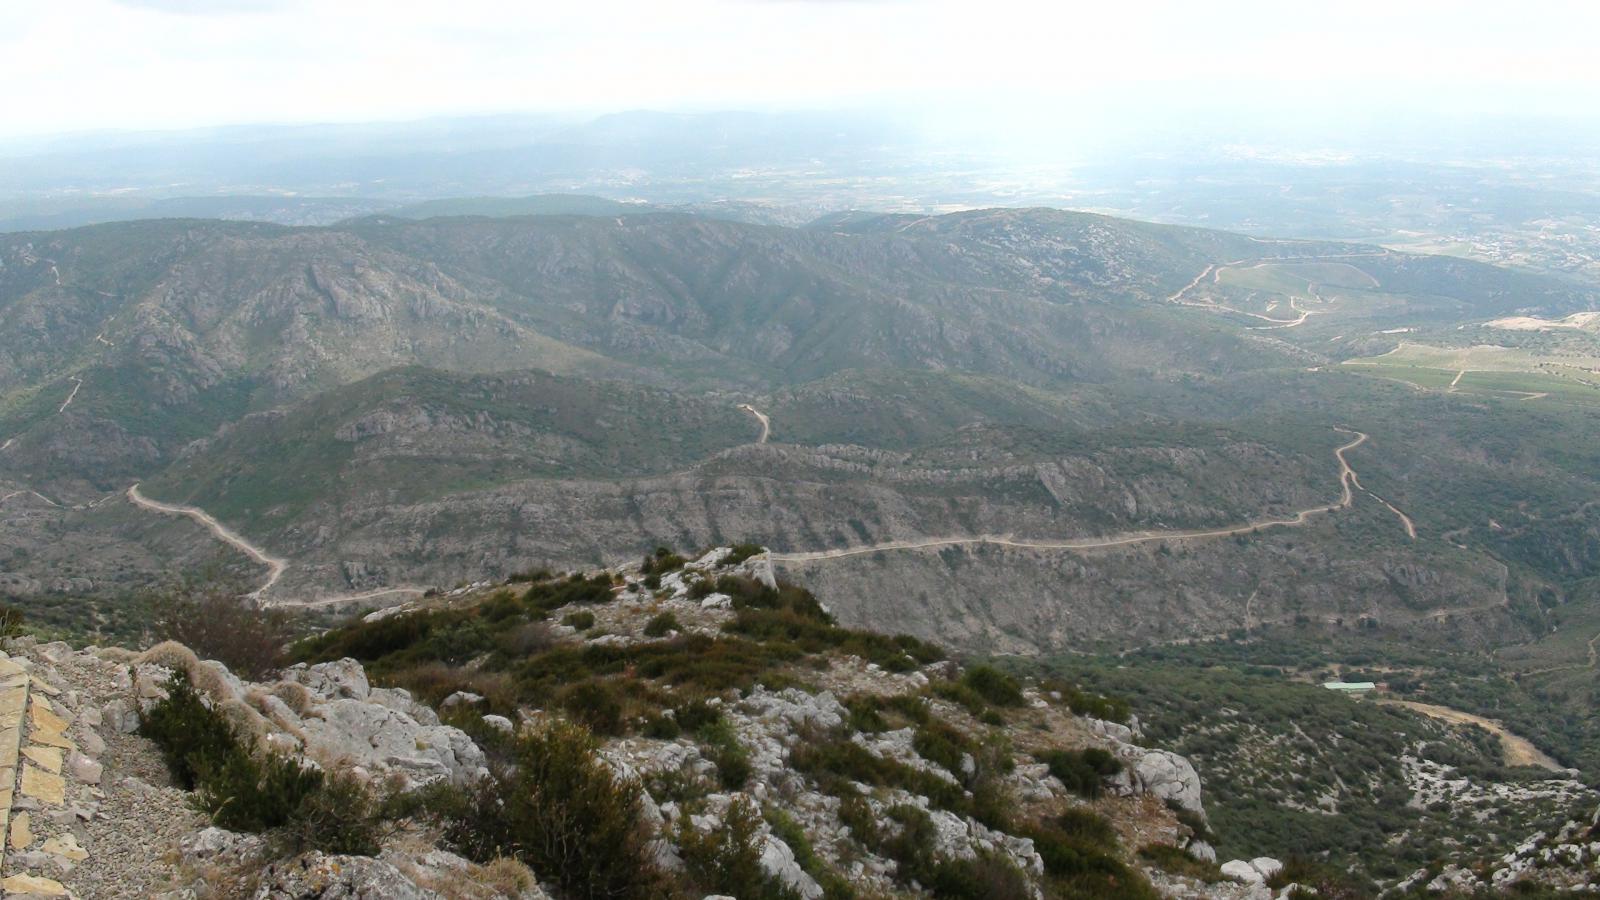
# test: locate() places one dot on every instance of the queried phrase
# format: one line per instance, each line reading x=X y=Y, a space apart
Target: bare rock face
x=381 y=731
x=317 y=876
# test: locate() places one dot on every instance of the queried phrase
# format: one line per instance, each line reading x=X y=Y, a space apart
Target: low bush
x=661 y=562
x=559 y=809
x=835 y=763
x=1082 y=859
x=940 y=742
x=300 y=807
x=530 y=576
x=965 y=697
x=12 y=622
x=993 y=685
x=730 y=756
x=661 y=624
x=742 y=552
x=216 y=623
x=727 y=860
x=597 y=705
x=582 y=620
x=1099 y=706
x=1082 y=771
x=1175 y=861
x=575 y=588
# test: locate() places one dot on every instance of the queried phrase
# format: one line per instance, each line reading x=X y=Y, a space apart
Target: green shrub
x=1087 y=827
x=530 y=576
x=302 y=808
x=856 y=814
x=660 y=727
x=242 y=792
x=833 y=763
x=961 y=695
x=817 y=633
x=940 y=742
x=993 y=685
x=865 y=714
x=1171 y=859
x=695 y=715
x=991 y=876
x=597 y=705
x=562 y=811
x=661 y=562
x=582 y=620
x=742 y=552
x=1111 y=709
x=731 y=757
x=575 y=588
x=1082 y=771
x=341 y=818
x=728 y=859
x=11 y=622
x=191 y=736
x=660 y=624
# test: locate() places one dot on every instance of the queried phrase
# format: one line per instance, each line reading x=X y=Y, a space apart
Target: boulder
x=1267 y=866
x=380 y=739
x=778 y=861
x=1239 y=870
x=1170 y=777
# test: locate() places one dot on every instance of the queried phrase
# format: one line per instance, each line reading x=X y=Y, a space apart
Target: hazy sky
x=91 y=64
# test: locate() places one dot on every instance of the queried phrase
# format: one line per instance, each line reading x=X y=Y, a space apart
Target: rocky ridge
x=119 y=827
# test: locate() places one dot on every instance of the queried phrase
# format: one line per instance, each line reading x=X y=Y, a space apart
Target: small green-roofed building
x=1350 y=687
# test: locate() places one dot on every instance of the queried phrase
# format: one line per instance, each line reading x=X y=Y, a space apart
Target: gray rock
x=341 y=679
x=1170 y=777
x=778 y=861
x=316 y=876
x=83 y=768
x=378 y=739
x=1267 y=866
x=1240 y=870
x=121 y=715
x=215 y=843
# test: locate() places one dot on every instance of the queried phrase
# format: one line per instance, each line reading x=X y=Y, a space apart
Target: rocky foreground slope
x=683 y=729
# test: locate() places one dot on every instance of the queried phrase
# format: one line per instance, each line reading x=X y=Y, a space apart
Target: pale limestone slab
x=32 y=886
x=42 y=718
x=21 y=831
x=13 y=699
x=8 y=749
x=43 y=786
x=47 y=758
x=48 y=688
x=52 y=739
x=66 y=846
x=9 y=667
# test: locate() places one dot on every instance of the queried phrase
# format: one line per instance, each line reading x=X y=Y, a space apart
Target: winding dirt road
x=1347 y=478
x=766 y=423
x=275 y=565
x=76 y=386
x=1517 y=750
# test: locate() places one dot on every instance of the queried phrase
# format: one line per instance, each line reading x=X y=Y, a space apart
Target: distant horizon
x=1017 y=72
